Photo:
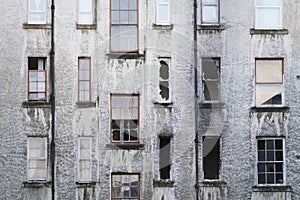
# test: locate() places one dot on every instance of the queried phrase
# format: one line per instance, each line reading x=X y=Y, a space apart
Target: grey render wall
x=233 y=119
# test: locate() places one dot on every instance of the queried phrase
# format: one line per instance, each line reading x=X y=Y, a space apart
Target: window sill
x=86 y=104
x=86 y=184
x=37 y=184
x=163 y=183
x=213 y=183
x=128 y=146
x=125 y=55
x=167 y=27
x=211 y=27
x=272 y=188
x=163 y=103
x=36 y=26
x=86 y=26
x=270 y=109
x=36 y=104
x=254 y=31
x=213 y=105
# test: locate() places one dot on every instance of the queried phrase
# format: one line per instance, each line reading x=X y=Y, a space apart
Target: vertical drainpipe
x=52 y=101
x=196 y=100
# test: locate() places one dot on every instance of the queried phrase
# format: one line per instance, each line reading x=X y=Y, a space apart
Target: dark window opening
x=211 y=78
x=211 y=157
x=164 y=157
x=164 y=81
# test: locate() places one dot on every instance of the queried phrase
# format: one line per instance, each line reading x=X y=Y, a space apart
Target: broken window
x=37 y=76
x=125 y=186
x=164 y=157
x=162 y=12
x=85 y=12
x=125 y=118
x=269 y=79
x=211 y=157
x=210 y=11
x=84 y=82
x=270 y=156
x=36 y=11
x=37 y=158
x=84 y=159
x=211 y=79
x=268 y=14
x=164 y=83
x=124 y=26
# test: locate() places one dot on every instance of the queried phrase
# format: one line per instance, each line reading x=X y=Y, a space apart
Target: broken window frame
x=125 y=185
x=41 y=12
x=84 y=80
x=37 y=81
x=275 y=162
x=165 y=171
x=85 y=160
x=210 y=3
x=160 y=3
x=264 y=83
x=123 y=122
x=217 y=80
x=89 y=12
x=218 y=159
x=267 y=7
x=124 y=24
x=37 y=159
x=166 y=60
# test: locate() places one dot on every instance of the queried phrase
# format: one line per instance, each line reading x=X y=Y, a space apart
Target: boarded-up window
x=125 y=186
x=210 y=11
x=164 y=83
x=211 y=157
x=37 y=158
x=84 y=159
x=211 y=79
x=85 y=12
x=84 y=76
x=164 y=157
x=124 y=118
x=268 y=14
x=37 y=12
x=269 y=79
x=162 y=12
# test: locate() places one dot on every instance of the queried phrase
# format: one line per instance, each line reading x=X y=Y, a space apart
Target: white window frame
x=91 y=13
x=283 y=165
x=36 y=12
x=164 y=3
x=280 y=26
x=167 y=60
x=88 y=179
x=38 y=158
x=203 y=4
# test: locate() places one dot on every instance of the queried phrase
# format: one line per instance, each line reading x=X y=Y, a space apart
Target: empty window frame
x=84 y=79
x=210 y=11
x=125 y=186
x=85 y=12
x=268 y=14
x=269 y=82
x=211 y=79
x=164 y=157
x=163 y=12
x=37 y=158
x=37 y=79
x=124 y=118
x=124 y=26
x=211 y=157
x=85 y=159
x=164 y=79
x=36 y=11
x=270 y=161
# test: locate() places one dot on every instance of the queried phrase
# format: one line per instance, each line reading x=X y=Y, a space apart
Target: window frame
x=282 y=83
x=269 y=7
x=283 y=161
x=122 y=142
x=45 y=81
x=36 y=12
x=79 y=80
x=45 y=158
x=92 y=13
x=168 y=21
x=126 y=174
x=90 y=159
x=203 y=4
x=111 y=24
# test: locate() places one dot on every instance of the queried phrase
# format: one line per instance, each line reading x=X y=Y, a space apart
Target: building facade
x=158 y=100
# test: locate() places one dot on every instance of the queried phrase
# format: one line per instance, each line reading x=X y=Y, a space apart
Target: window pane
x=124 y=17
x=268 y=94
x=261 y=156
x=115 y=17
x=211 y=90
x=279 y=168
x=268 y=2
x=270 y=156
x=261 y=178
x=279 y=156
x=279 y=178
x=163 y=13
x=132 y=5
x=270 y=178
x=270 y=168
x=210 y=69
x=269 y=71
x=211 y=157
x=124 y=4
x=210 y=1
x=115 y=4
x=261 y=167
x=261 y=144
x=37 y=17
x=85 y=5
x=268 y=17
x=210 y=14
x=116 y=135
x=132 y=17
x=278 y=144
